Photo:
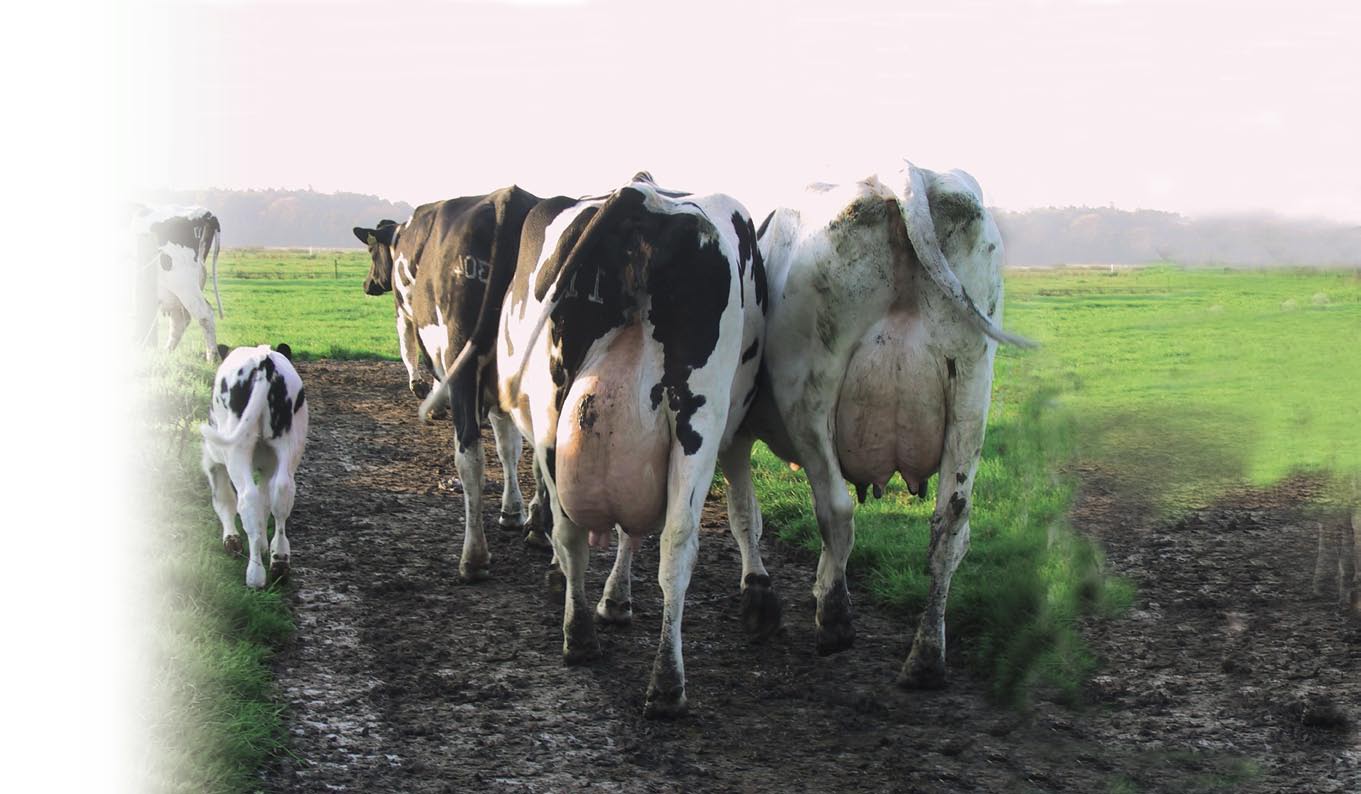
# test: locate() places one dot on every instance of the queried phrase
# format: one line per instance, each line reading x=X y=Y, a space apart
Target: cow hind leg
x=224 y=504
x=688 y=484
x=250 y=503
x=925 y=665
x=835 y=513
x=282 y=490
x=616 y=603
x=760 y=608
x=571 y=551
x=475 y=563
x=509 y=445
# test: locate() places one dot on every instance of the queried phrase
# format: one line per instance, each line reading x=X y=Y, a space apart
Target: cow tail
x=921 y=231
x=460 y=384
x=250 y=417
x=217 y=246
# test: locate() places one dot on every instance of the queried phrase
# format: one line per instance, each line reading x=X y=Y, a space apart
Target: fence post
x=335 y=265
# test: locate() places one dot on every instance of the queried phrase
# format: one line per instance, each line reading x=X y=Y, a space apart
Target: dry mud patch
x=400 y=678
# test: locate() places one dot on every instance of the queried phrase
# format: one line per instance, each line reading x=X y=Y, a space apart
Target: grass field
x=1176 y=383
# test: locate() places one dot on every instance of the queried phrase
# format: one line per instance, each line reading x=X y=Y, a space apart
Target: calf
x=173 y=244
x=258 y=423
x=437 y=266
x=653 y=304
x=882 y=330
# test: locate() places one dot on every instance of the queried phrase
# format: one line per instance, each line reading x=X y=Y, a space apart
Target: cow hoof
x=255 y=575
x=511 y=520
x=666 y=704
x=581 y=654
x=834 y=638
x=278 y=570
x=538 y=539
x=614 y=613
x=555 y=585
x=232 y=545
x=579 y=643
x=419 y=388
x=921 y=673
x=835 y=632
x=761 y=609
x=471 y=573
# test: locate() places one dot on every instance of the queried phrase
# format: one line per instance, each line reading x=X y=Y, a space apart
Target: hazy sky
x=1192 y=105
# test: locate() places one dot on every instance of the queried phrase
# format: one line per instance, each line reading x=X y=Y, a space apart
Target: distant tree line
x=1087 y=235
x=1048 y=236
x=288 y=218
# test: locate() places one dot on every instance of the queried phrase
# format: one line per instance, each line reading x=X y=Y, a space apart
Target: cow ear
x=284 y=350
x=222 y=351
x=366 y=236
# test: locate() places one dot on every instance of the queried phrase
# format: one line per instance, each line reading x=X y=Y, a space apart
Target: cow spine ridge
x=921 y=231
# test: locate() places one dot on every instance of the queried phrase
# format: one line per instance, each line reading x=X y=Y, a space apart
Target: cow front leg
x=509 y=445
x=408 y=344
x=836 y=522
x=540 y=513
x=179 y=323
x=616 y=603
x=208 y=323
x=475 y=563
x=760 y=609
x=925 y=665
x=224 y=504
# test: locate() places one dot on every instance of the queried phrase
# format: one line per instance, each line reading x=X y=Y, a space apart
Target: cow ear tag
x=373 y=240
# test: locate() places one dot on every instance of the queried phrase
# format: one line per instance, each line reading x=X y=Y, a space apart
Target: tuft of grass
x=213 y=718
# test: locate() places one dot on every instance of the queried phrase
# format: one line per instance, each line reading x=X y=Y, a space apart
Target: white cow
x=258 y=424
x=627 y=348
x=884 y=311
x=173 y=243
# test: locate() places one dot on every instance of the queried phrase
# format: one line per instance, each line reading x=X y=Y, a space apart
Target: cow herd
x=640 y=338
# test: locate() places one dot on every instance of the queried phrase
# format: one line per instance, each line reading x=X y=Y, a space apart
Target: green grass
x=314 y=303
x=216 y=719
x=1174 y=383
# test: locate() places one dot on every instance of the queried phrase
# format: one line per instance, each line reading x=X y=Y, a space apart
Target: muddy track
x=400 y=678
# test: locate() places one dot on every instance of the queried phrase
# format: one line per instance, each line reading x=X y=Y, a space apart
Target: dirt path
x=402 y=679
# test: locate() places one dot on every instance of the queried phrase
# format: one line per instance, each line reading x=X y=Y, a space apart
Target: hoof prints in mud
x=402 y=678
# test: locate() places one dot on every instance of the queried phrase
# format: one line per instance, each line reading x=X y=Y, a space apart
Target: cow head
x=380 y=242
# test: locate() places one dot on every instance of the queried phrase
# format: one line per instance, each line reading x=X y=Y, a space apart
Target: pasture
x=1166 y=390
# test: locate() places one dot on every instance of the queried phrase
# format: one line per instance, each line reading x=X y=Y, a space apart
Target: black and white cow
x=438 y=267
x=172 y=246
x=258 y=423
x=884 y=320
x=627 y=348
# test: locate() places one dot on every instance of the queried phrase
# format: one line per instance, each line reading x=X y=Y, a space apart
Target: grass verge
x=214 y=719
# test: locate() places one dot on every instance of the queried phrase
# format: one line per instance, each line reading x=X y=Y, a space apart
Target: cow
x=173 y=244
x=257 y=423
x=437 y=265
x=627 y=348
x=884 y=321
